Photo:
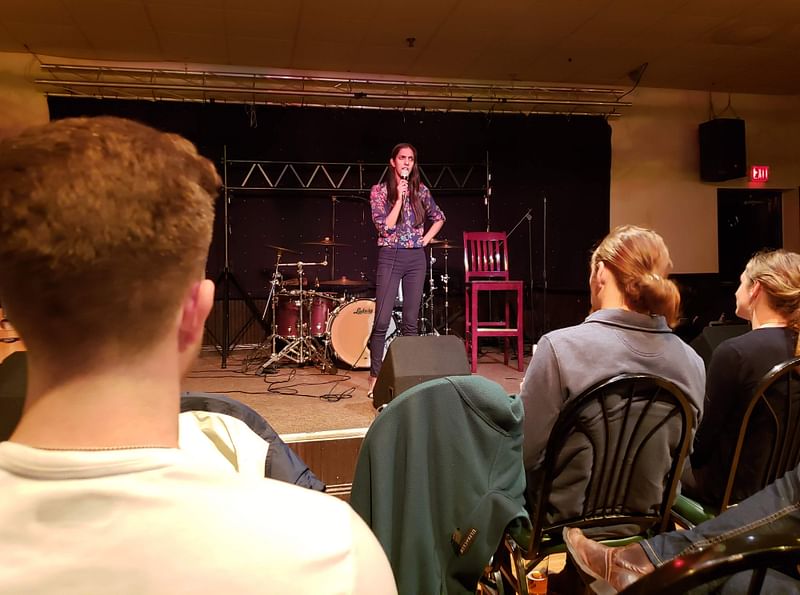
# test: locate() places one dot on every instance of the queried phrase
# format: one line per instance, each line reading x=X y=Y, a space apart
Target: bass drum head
x=349 y=329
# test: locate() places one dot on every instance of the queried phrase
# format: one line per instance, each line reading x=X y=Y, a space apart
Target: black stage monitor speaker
x=707 y=341
x=412 y=360
x=723 y=154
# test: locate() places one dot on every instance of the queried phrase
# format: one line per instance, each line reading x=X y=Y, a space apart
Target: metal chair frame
x=777 y=397
x=738 y=554
x=615 y=467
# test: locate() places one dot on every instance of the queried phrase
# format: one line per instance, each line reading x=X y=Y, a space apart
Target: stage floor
x=303 y=400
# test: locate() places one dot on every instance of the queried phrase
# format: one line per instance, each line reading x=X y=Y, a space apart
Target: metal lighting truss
x=345 y=177
x=206 y=84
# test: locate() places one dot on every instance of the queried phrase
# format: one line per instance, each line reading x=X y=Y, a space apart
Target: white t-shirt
x=222 y=441
x=152 y=520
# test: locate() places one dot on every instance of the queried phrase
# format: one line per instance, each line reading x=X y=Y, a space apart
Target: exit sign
x=759 y=173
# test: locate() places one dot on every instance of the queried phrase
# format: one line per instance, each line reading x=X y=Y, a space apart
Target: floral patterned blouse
x=404 y=234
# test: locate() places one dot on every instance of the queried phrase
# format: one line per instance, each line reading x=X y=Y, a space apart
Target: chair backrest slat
x=624 y=421
x=485 y=255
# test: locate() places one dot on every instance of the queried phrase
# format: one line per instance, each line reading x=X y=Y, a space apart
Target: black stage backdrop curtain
x=561 y=161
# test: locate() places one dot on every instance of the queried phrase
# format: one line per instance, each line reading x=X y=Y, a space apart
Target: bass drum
x=349 y=328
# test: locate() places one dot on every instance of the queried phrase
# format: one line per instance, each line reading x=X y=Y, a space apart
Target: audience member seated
x=769 y=297
x=281 y=462
x=105 y=229
x=214 y=427
x=774 y=510
x=628 y=331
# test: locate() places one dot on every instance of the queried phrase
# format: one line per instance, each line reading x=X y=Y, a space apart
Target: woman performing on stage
x=400 y=206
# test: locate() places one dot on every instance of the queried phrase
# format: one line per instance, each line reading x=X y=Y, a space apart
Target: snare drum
x=350 y=327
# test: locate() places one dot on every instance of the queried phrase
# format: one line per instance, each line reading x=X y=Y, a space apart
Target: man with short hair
x=104 y=232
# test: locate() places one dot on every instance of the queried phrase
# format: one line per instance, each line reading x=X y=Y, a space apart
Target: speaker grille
x=723 y=154
x=412 y=360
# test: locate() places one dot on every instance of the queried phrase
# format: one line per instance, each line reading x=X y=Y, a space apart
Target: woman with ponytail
x=628 y=331
x=769 y=297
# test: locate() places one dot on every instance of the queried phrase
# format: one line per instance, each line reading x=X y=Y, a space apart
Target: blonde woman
x=769 y=297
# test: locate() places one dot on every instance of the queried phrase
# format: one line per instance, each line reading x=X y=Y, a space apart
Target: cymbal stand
x=427 y=305
x=445 y=281
x=276 y=281
x=272 y=300
x=302 y=348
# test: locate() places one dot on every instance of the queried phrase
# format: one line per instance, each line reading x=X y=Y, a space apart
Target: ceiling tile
x=260 y=51
x=34 y=11
x=89 y=13
x=196 y=3
x=266 y=24
x=199 y=20
x=719 y=9
x=45 y=38
x=320 y=55
x=183 y=47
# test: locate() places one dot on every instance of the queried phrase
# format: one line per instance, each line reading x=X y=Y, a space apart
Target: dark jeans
x=773 y=510
x=396 y=265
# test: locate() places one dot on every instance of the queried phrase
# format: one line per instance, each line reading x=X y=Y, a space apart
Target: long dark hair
x=413 y=186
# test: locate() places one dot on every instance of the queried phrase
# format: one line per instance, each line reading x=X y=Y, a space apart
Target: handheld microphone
x=404 y=175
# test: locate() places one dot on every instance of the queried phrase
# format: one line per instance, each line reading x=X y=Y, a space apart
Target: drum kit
x=324 y=321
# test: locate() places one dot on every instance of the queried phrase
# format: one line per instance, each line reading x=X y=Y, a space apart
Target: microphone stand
x=487 y=197
x=529 y=217
x=544 y=262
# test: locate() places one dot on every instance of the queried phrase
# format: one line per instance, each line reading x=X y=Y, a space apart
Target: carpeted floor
x=303 y=399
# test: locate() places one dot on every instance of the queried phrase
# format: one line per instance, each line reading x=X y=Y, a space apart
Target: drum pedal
x=330 y=369
x=271 y=369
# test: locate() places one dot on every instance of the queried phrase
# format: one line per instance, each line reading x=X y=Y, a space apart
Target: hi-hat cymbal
x=281 y=249
x=345 y=282
x=326 y=242
x=443 y=244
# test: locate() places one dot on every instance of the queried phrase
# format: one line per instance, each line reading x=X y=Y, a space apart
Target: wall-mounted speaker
x=723 y=153
x=412 y=360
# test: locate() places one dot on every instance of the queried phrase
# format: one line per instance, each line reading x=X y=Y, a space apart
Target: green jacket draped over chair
x=439 y=478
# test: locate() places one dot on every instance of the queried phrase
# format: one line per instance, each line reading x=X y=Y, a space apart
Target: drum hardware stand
x=445 y=281
x=277 y=280
x=302 y=348
x=426 y=322
x=226 y=279
x=529 y=218
x=397 y=316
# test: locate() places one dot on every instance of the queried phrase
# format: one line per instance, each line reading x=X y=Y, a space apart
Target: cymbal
x=345 y=282
x=326 y=241
x=281 y=249
x=443 y=244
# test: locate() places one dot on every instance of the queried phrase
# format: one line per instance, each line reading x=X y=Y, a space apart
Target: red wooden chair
x=486 y=270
